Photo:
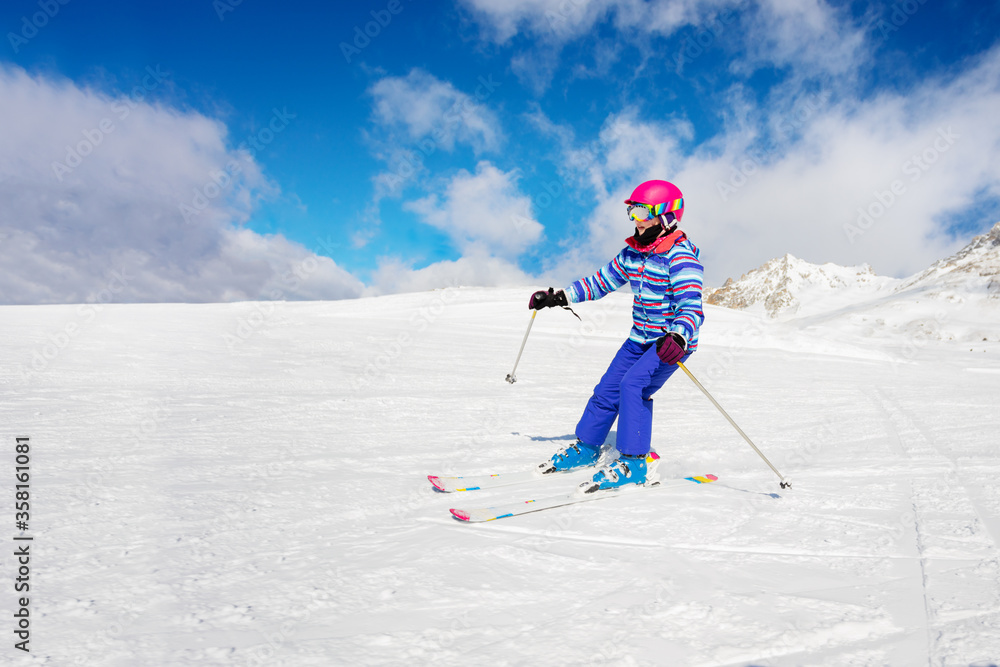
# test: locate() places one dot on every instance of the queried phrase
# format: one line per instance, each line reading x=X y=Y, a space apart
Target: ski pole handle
x=784 y=484
x=510 y=376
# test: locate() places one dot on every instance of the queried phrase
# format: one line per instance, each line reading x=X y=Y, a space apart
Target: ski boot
x=625 y=470
x=571 y=457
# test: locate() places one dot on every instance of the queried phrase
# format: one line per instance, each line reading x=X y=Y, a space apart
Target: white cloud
x=559 y=20
x=803 y=196
x=535 y=69
x=483 y=213
x=554 y=23
x=808 y=36
x=417 y=115
x=474 y=270
x=285 y=269
x=92 y=194
x=653 y=147
x=489 y=222
x=427 y=108
x=849 y=157
x=627 y=152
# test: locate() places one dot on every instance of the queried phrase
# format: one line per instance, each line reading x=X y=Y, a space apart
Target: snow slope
x=244 y=484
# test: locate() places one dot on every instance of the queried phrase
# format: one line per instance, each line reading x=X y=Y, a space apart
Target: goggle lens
x=640 y=212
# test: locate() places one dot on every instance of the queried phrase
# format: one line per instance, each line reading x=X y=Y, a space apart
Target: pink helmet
x=664 y=196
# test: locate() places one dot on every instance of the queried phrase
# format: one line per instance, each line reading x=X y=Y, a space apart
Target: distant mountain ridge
x=973 y=268
x=789 y=287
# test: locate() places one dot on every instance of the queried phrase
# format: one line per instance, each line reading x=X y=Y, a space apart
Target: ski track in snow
x=244 y=485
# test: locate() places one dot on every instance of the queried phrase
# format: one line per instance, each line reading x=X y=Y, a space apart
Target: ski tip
x=436 y=481
x=461 y=515
x=707 y=479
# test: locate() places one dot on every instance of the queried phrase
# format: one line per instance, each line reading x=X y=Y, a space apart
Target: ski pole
x=511 y=377
x=784 y=484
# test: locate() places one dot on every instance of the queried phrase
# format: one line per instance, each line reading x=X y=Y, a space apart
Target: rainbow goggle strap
x=638 y=211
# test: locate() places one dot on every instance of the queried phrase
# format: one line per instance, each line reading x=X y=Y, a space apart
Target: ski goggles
x=642 y=212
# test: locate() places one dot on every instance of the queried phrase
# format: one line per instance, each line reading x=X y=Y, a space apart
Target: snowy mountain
x=973 y=270
x=957 y=298
x=788 y=286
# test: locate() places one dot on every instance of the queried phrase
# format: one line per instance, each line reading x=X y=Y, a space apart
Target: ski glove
x=548 y=299
x=670 y=348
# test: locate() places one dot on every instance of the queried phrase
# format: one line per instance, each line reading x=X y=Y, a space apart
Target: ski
x=538 y=504
x=480 y=482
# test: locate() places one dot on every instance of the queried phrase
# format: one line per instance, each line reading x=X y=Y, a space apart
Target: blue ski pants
x=625 y=391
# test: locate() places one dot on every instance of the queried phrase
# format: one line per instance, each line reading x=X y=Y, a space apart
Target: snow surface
x=244 y=484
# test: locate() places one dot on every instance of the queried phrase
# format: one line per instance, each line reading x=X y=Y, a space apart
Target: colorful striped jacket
x=666 y=281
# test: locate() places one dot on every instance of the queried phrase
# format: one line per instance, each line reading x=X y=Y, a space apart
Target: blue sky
x=274 y=150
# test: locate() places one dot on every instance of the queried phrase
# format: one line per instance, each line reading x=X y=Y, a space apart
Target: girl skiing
x=664 y=271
